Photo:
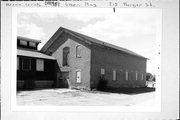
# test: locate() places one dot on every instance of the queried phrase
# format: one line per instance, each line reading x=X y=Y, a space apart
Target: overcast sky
x=134 y=29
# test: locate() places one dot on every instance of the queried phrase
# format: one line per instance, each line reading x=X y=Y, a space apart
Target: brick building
x=81 y=61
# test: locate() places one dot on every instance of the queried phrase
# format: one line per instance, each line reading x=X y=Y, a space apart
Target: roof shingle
x=34 y=54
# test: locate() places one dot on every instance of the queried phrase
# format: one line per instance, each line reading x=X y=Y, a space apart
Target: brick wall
x=82 y=64
x=110 y=59
x=93 y=58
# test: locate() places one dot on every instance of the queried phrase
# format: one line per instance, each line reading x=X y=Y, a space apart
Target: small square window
x=24 y=43
x=32 y=44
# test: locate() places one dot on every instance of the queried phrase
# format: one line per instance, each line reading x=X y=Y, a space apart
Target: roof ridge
x=103 y=43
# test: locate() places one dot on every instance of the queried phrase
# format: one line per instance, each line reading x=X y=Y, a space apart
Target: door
x=65 y=79
x=78 y=76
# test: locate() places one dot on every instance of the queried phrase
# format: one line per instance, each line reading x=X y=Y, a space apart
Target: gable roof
x=85 y=38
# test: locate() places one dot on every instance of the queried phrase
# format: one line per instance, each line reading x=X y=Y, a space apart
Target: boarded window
x=40 y=65
x=26 y=64
x=23 y=42
x=17 y=63
x=78 y=51
x=114 y=74
x=78 y=76
x=136 y=75
x=102 y=71
x=66 y=52
x=126 y=75
x=32 y=44
x=142 y=76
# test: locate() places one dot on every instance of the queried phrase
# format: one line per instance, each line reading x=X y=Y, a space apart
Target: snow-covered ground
x=69 y=97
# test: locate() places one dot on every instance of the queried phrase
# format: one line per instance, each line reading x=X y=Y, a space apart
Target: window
x=114 y=74
x=40 y=65
x=136 y=75
x=78 y=76
x=102 y=71
x=142 y=76
x=24 y=43
x=126 y=75
x=32 y=44
x=26 y=64
x=17 y=63
x=78 y=51
x=66 y=51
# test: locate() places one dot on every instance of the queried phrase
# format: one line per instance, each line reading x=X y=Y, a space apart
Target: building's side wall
x=75 y=64
x=110 y=60
x=33 y=78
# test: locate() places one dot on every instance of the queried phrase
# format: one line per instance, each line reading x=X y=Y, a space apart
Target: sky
x=134 y=29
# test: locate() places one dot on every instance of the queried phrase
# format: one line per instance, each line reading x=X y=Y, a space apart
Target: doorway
x=65 y=79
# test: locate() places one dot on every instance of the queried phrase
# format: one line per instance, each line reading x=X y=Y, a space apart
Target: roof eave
x=28 y=39
x=59 y=32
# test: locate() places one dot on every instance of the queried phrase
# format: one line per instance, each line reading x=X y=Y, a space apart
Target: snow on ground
x=69 y=97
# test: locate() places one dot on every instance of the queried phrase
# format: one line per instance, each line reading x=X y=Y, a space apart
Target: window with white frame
x=22 y=42
x=17 y=63
x=39 y=64
x=136 y=75
x=102 y=71
x=126 y=75
x=26 y=64
x=32 y=44
x=114 y=74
